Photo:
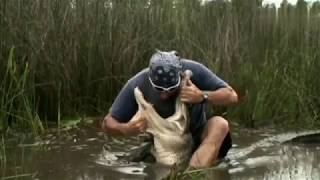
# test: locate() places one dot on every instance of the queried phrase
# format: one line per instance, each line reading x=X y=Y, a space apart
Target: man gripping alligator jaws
x=161 y=85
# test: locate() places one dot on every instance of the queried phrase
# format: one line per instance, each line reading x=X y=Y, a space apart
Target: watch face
x=205 y=96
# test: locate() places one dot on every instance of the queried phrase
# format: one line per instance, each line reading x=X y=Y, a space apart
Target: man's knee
x=218 y=122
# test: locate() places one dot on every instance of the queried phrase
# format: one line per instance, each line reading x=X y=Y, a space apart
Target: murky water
x=86 y=153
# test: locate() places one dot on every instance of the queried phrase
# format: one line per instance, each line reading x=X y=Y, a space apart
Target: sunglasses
x=162 y=89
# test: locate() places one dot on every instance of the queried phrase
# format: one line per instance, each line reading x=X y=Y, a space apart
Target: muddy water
x=85 y=153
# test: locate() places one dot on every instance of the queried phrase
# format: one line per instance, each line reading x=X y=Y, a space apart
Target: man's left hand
x=190 y=93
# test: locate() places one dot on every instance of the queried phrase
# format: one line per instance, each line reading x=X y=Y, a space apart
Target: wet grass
x=70 y=58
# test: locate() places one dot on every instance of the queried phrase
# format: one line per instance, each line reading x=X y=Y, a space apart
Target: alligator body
x=172 y=140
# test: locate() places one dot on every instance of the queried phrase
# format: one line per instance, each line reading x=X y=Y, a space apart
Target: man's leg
x=213 y=136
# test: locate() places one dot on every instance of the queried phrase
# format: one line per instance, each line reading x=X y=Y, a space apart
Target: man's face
x=166 y=93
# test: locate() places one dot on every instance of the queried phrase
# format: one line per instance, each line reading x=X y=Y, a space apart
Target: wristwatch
x=205 y=97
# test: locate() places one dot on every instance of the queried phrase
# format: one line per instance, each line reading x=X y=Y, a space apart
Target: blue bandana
x=165 y=69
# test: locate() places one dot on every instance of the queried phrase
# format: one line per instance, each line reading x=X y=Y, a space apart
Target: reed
x=71 y=57
x=18 y=108
x=3 y=157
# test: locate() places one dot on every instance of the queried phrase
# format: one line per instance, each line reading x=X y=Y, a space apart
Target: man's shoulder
x=195 y=66
x=139 y=78
x=190 y=62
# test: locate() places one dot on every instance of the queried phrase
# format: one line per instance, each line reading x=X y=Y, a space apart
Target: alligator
x=172 y=140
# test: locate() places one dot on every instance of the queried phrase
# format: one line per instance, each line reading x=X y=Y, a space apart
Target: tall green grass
x=73 y=56
x=17 y=102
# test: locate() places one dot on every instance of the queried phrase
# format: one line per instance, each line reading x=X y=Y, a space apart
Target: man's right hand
x=136 y=126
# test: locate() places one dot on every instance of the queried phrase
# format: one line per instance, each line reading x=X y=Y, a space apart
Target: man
x=160 y=84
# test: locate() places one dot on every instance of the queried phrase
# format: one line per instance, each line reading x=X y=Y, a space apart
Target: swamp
x=63 y=62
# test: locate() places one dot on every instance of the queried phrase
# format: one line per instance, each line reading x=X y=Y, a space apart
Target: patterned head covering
x=165 y=69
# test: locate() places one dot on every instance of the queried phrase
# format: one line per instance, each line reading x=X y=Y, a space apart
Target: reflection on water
x=288 y=162
x=86 y=153
x=297 y=162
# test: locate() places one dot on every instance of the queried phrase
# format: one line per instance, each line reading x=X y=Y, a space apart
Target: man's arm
x=112 y=126
x=124 y=108
x=204 y=81
x=222 y=96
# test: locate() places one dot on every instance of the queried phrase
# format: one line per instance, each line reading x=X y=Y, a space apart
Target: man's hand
x=138 y=124
x=190 y=93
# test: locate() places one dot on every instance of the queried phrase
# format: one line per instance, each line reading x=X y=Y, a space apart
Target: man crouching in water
x=160 y=84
